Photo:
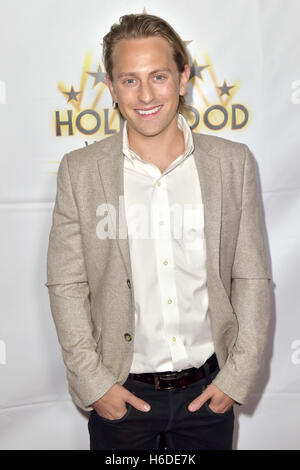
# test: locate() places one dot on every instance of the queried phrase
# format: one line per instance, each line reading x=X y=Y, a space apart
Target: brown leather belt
x=172 y=380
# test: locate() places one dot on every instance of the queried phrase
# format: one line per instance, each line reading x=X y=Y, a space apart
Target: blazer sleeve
x=250 y=294
x=69 y=294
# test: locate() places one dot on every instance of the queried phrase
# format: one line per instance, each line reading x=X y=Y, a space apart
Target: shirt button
x=158 y=183
x=166 y=263
x=128 y=283
x=127 y=336
x=169 y=301
x=173 y=339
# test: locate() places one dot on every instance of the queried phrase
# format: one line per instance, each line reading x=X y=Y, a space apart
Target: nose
x=145 y=93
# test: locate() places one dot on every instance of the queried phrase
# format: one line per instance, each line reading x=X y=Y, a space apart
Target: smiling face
x=146 y=78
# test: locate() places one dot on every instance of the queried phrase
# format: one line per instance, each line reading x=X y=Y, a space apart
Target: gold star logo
x=72 y=94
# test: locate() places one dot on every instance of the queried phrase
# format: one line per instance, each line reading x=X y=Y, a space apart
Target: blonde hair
x=143 y=26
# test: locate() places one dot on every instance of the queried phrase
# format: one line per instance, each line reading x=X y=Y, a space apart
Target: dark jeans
x=138 y=430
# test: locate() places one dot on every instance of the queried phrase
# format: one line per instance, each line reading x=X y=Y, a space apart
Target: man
x=162 y=311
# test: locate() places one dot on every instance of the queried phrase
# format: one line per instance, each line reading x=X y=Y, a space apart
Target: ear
x=184 y=80
x=111 y=88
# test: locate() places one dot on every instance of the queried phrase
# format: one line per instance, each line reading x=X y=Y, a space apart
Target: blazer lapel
x=111 y=170
x=209 y=172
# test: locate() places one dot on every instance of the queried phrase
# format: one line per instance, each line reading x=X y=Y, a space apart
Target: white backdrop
x=46 y=48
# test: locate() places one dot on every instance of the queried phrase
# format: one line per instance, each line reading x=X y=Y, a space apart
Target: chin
x=149 y=130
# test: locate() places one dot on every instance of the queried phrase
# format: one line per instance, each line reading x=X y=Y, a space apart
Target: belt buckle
x=158 y=385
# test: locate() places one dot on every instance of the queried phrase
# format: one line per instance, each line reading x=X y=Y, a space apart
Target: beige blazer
x=89 y=278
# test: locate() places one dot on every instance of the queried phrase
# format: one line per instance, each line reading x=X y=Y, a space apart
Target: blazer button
x=128 y=283
x=127 y=336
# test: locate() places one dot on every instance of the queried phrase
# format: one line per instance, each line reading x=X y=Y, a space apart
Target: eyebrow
x=132 y=74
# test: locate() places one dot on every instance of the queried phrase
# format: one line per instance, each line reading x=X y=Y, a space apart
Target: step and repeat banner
x=244 y=86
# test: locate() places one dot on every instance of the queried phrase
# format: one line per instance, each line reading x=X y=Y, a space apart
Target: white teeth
x=149 y=112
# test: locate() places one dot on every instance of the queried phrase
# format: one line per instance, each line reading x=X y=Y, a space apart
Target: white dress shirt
x=165 y=222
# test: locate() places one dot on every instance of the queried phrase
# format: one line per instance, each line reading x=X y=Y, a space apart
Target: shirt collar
x=188 y=140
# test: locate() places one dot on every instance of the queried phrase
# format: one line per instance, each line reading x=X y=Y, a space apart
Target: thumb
x=200 y=400
x=138 y=403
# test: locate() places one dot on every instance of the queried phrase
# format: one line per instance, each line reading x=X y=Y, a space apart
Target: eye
x=160 y=76
x=129 y=81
